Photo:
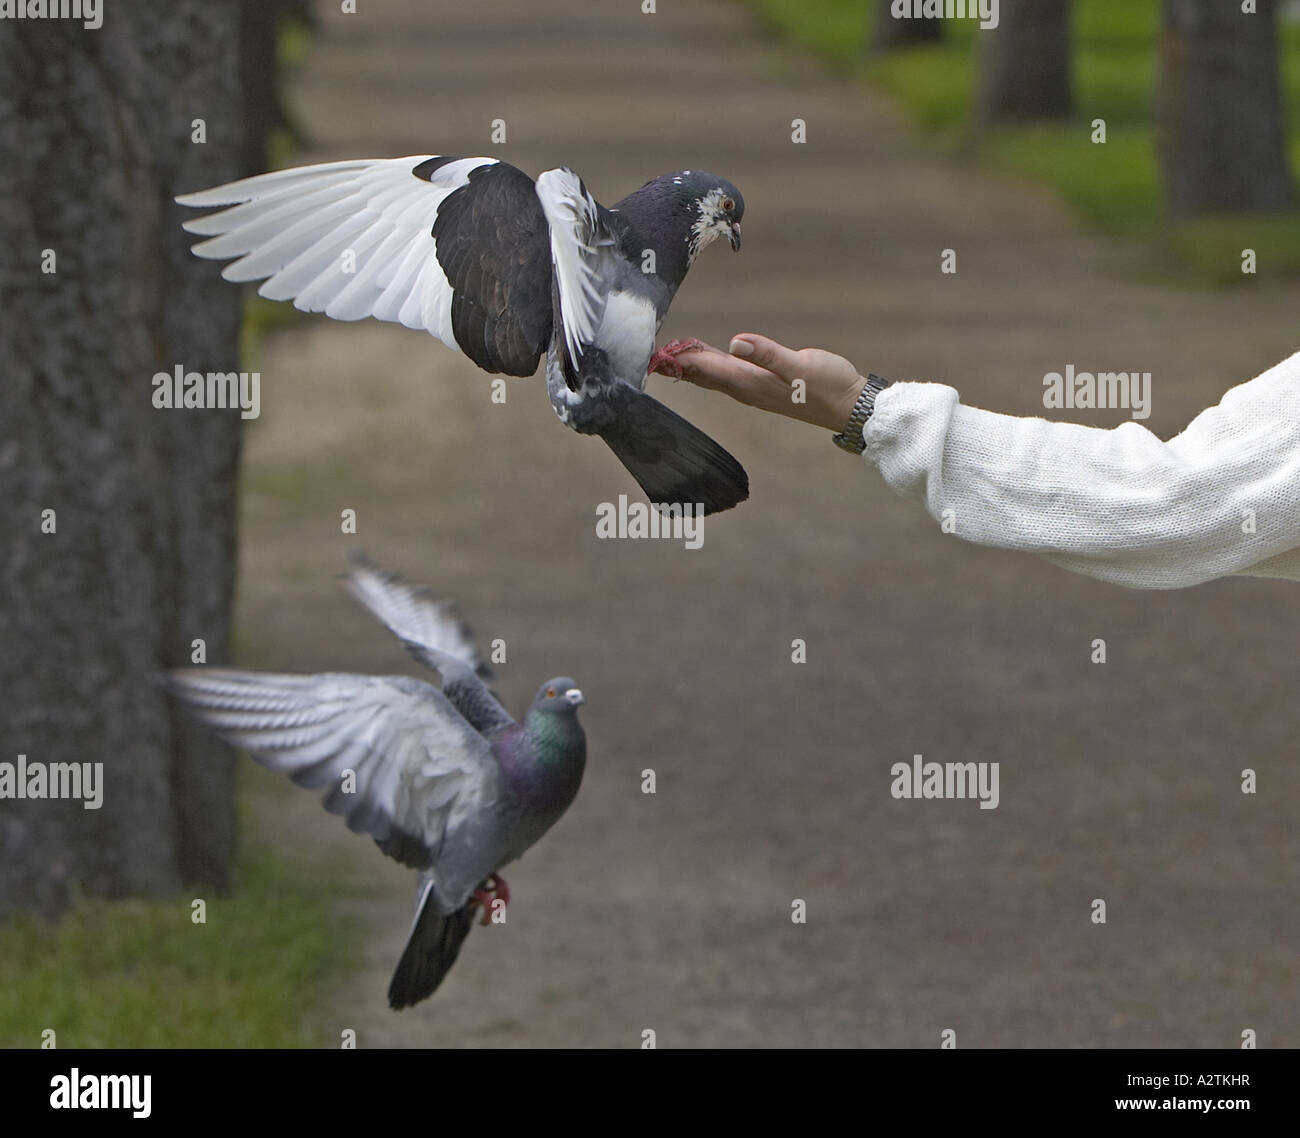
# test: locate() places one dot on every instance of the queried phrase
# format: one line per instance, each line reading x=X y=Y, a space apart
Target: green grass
x=934 y=82
x=139 y=973
x=836 y=29
x=1212 y=247
x=1113 y=186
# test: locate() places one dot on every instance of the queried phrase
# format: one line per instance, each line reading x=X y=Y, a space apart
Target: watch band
x=850 y=439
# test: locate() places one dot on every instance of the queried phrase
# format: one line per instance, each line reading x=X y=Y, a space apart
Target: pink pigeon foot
x=666 y=357
x=503 y=890
x=494 y=888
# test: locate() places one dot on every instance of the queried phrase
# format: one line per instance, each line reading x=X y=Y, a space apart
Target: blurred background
x=1099 y=168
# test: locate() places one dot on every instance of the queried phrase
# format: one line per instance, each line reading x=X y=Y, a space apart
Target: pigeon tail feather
x=672 y=461
x=430 y=952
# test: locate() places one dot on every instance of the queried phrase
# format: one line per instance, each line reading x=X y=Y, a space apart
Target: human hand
x=809 y=384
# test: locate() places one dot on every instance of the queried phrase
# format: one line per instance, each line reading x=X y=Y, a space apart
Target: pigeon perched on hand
x=445 y=782
x=503 y=269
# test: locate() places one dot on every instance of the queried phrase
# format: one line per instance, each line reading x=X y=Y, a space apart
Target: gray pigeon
x=445 y=782
x=503 y=269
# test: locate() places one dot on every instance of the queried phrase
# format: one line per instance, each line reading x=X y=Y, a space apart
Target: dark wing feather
x=494 y=247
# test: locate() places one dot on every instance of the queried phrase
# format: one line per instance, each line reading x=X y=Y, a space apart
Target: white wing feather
x=581 y=250
x=303 y=230
x=412 y=613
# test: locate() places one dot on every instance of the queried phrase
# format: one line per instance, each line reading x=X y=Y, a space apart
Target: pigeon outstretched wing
x=456 y=246
x=421 y=772
x=435 y=635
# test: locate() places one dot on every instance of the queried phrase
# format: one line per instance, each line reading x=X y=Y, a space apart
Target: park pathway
x=672 y=912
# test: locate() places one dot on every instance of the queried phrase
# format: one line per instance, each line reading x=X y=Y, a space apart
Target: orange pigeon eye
x=728 y=204
x=550 y=693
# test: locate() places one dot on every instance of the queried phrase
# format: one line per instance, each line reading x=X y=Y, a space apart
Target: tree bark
x=888 y=33
x=1024 y=64
x=1220 y=132
x=96 y=128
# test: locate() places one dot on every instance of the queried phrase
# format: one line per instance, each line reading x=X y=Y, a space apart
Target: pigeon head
x=558 y=696
x=553 y=729
x=716 y=207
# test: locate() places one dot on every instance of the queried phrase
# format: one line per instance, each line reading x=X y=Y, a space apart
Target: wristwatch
x=850 y=439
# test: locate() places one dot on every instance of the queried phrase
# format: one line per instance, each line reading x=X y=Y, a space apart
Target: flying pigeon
x=446 y=782
x=503 y=269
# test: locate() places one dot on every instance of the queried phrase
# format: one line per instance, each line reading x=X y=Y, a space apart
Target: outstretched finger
x=766 y=353
x=718 y=371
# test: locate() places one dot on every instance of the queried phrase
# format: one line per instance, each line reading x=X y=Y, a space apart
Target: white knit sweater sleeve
x=1222 y=497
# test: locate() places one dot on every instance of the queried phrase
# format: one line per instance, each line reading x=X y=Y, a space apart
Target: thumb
x=766 y=353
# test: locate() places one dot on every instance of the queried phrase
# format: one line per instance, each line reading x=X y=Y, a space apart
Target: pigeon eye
x=550 y=693
x=728 y=205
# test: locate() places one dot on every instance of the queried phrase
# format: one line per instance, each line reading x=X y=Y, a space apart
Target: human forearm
x=1120 y=504
x=1222 y=497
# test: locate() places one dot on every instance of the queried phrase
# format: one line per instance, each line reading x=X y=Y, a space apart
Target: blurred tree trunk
x=259 y=74
x=888 y=33
x=97 y=127
x=1220 y=131
x=1024 y=63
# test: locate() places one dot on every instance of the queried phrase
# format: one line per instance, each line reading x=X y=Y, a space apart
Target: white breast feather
x=627 y=332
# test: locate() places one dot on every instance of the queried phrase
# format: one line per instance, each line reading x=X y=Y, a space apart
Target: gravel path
x=672 y=912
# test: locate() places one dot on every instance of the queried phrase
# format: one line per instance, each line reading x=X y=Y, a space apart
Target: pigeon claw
x=493 y=888
x=666 y=357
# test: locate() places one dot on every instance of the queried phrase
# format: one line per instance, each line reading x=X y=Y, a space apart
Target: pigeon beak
x=573 y=697
x=734 y=236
